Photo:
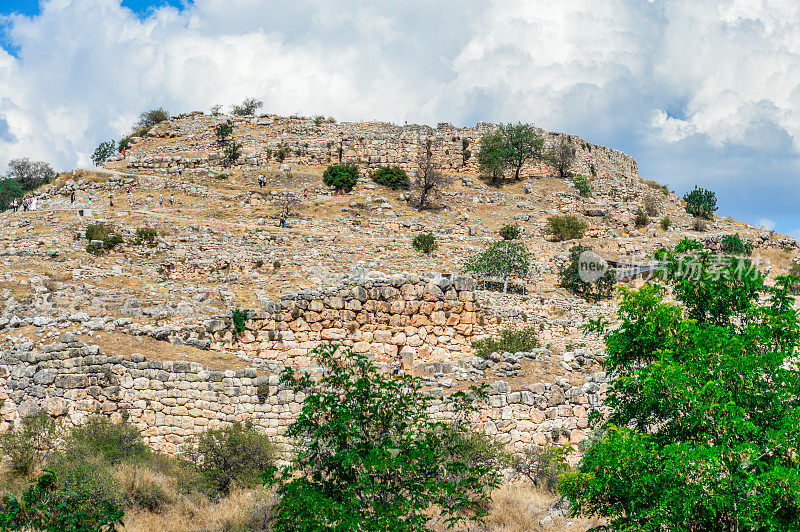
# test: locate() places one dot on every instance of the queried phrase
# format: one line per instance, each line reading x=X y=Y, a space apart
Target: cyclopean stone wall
x=275 y=140
x=171 y=401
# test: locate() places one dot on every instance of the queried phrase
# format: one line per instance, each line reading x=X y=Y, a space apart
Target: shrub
x=794 y=271
x=232 y=152
x=236 y=454
x=425 y=242
x=9 y=189
x=103 y=232
x=147 y=235
x=30 y=174
x=593 y=290
x=510 y=232
x=84 y=484
x=565 y=227
x=247 y=108
x=142 y=487
x=651 y=205
x=511 y=340
x=733 y=245
x=111 y=442
x=641 y=219
x=505 y=259
x=223 y=130
x=393 y=177
x=262 y=390
x=239 y=319
x=281 y=153
x=103 y=151
x=542 y=464
x=43 y=507
x=27 y=446
x=701 y=203
x=342 y=177
x=665 y=223
x=152 y=117
x=583 y=185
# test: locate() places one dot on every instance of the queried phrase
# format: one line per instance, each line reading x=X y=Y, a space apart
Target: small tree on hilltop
x=223 y=130
x=103 y=151
x=30 y=174
x=343 y=177
x=429 y=182
x=703 y=423
x=371 y=458
x=701 y=203
x=505 y=259
x=516 y=145
x=247 y=108
x=562 y=157
x=492 y=160
x=152 y=117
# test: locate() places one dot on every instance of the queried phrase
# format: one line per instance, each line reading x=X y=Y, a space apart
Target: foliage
x=235 y=454
x=733 y=245
x=510 y=146
x=84 y=484
x=239 y=319
x=111 y=442
x=429 y=182
x=318 y=120
x=342 y=177
x=511 y=340
x=9 y=189
x=152 y=117
x=424 y=242
x=147 y=235
x=640 y=218
x=247 y=108
x=651 y=205
x=594 y=290
x=223 y=130
x=562 y=157
x=505 y=259
x=27 y=446
x=103 y=232
x=262 y=392
x=665 y=223
x=543 y=464
x=703 y=425
x=124 y=144
x=583 y=185
x=701 y=203
x=369 y=456
x=232 y=152
x=41 y=508
x=30 y=174
x=509 y=232
x=103 y=151
x=565 y=227
x=393 y=177
x=794 y=272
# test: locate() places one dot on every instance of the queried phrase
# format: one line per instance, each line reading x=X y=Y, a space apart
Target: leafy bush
x=543 y=464
x=341 y=176
x=111 y=442
x=665 y=223
x=583 y=185
x=232 y=152
x=105 y=233
x=565 y=227
x=393 y=177
x=44 y=507
x=84 y=484
x=152 y=117
x=511 y=340
x=509 y=232
x=9 y=189
x=380 y=467
x=147 y=235
x=505 y=259
x=239 y=320
x=570 y=278
x=223 y=130
x=247 y=108
x=234 y=454
x=701 y=203
x=733 y=245
x=640 y=218
x=424 y=242
x=262 y=390
x=27 y=446
x=103 y=151
x=281 y=153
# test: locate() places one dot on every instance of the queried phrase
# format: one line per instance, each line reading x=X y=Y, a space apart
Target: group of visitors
x=171 y=200
x=28 y=203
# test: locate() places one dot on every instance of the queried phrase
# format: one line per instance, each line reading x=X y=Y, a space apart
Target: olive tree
x=506 y=259
x=562 y=157
x=511 y=145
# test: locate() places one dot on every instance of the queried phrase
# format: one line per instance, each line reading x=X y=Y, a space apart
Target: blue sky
x=700 y=92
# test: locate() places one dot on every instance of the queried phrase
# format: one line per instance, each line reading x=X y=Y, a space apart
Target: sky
x=701 y=92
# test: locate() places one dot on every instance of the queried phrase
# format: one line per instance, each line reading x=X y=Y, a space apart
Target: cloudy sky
x=700 y=92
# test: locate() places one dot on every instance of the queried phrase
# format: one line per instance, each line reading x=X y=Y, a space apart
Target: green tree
x=591 y=289
x=701 y=203
x=223 y=130
x=232 y=152
x=248 y=107
x=342 y=177
x=734 y=245
x=42 y=509
x=562 y=157
x=506 y=259
x=152 y=117
x=425 y=242
x=512 y=145
x=491 y=161
x=703 y=424
x=370 y=458
x=30 y=174
x=9 y=189
x=103 y=151
x=393 y=177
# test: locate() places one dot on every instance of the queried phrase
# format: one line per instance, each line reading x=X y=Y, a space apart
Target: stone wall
x=171 y=401
x=275 y=140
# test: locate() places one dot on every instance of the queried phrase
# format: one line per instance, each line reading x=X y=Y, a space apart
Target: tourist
x=171 y=200
x=25 y=204
x=15 y=205
x=282 y=219
x=305 y=193
x=72 y=198
x=180 y=172
x=161 y=200
x=34 y=202
x=111 y=200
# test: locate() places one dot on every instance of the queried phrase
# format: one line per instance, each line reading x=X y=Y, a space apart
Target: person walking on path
x=111 y=200
x=161 y=200
x=171 y=200
x=72 y=198
x=305 y=193
x=283 y=219
x=15 y=205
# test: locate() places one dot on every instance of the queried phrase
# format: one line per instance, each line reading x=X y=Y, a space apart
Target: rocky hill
x=146 y=329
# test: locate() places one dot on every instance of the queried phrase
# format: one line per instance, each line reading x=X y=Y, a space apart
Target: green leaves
x=701 y=203
x=370 y=458
x=510 y=146
x=342 y=177
x=504 y=259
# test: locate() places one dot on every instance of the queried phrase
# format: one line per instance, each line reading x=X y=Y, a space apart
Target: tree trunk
x=516 y=172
